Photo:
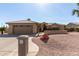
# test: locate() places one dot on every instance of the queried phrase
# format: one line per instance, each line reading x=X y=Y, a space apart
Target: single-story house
x=73 y=25
x=52 y=25
x=29 y=27
x=54 y=28
x=22 y=27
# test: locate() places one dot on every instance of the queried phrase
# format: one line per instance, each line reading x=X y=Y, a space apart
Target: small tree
x=70 y=29
x=77 y=29
x=44 y=27
x=2 y=29
x=38 y=27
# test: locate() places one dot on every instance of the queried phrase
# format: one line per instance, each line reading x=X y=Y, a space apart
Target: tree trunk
x=2 y=32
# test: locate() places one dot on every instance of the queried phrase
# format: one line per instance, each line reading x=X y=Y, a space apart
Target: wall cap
x=23 y=37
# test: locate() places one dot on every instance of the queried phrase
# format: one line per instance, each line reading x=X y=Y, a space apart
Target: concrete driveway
x=8 y=46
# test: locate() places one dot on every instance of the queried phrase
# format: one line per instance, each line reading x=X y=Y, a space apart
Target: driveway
x=8 y=45
x=59 y=45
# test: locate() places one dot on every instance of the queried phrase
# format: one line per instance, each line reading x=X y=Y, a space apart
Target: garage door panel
x=23 y=30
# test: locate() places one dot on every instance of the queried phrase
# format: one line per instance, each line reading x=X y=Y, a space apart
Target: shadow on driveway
x=7 y=35
x=11 y=35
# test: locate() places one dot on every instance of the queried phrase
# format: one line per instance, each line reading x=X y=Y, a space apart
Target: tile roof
x=21 y=21
x=74 y=23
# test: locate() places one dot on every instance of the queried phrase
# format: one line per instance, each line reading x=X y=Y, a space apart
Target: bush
x=44 y=38
x=54 y=28
x=70 y=29
x=77 y=29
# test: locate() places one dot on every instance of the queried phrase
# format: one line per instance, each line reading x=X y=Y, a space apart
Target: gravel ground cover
x=59 y=45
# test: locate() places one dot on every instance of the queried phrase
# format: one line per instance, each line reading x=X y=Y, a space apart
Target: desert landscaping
x=57 y=45
x=33 y=29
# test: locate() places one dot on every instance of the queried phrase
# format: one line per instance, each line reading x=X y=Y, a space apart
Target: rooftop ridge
x=21 y=21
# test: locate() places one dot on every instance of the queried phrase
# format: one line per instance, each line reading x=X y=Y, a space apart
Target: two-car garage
x=22 y=29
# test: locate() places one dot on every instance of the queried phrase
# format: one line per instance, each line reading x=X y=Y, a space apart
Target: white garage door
x=23 y=29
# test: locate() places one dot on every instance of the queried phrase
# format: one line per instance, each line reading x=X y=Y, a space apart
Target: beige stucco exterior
x=34 y=28
x=61 y=27
x=72 y=26
x=29 y=27
x=11 y=28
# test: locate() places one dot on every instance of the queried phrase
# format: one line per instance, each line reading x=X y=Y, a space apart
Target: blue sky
x=47 y=12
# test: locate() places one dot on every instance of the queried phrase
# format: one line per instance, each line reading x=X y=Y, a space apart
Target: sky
x=39 y=12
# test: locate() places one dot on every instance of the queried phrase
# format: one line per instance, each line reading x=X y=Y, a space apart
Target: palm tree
x=2 y=29
x=76 y=11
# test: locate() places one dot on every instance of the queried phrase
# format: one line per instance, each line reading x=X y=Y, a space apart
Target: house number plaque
x=21 y=41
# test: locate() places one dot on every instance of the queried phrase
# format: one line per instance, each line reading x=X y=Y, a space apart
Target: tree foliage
x=76 y=11
x=2 y=29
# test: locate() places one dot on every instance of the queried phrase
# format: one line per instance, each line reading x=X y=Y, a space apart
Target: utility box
x=23 y=45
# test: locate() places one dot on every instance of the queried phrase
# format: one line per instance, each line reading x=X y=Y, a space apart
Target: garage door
x=23 y=29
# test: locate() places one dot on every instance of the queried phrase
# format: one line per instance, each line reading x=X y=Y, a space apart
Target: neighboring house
x=54 y=28
x=51 y=25
x=72 y=25
x=22 y=27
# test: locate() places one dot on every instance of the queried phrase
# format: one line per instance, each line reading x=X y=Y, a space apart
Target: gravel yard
x=59 y=45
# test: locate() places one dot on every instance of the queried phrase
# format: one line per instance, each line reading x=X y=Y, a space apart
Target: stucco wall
x=72 y=26
x=55 y=32
x=10 y=29
x=60 y=26
x=34 y=28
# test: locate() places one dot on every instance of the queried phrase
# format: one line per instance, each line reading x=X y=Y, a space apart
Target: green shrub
x=70 y=29
x=54 y=28
x=77 y=29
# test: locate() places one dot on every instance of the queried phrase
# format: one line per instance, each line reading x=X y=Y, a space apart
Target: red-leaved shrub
x=44 y=38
